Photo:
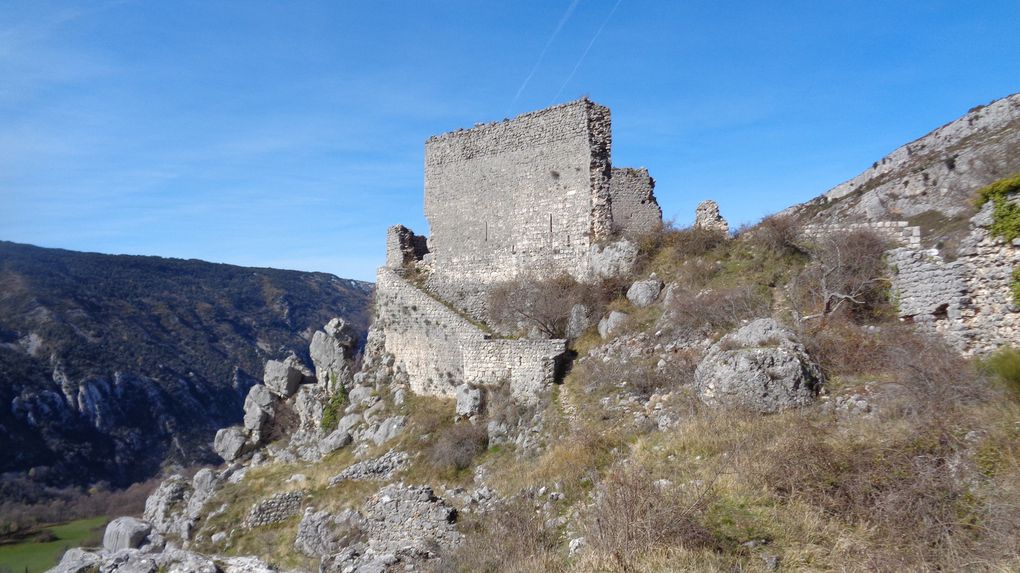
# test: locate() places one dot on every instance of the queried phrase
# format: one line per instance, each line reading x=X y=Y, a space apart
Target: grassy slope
x=35 y=557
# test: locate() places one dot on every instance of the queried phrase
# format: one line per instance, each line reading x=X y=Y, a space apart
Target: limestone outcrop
x=761 y=366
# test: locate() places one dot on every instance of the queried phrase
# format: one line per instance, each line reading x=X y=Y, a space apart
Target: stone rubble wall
x=900 y=232
x=635 y=210
x=281 y=506
x=528 y=365
x=521 y=196
x=439 y=349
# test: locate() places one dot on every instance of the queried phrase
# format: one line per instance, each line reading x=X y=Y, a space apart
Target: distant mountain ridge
x=111 y=365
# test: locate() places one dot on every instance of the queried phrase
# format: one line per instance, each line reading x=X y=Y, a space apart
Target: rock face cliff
x=113 y=365
x=934 y=175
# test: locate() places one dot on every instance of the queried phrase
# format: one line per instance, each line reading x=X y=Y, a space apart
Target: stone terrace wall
x=522 y=196
x=439 y=349
x=529 y=365
x=898 y=231
x=426 y=337
x=635 y=210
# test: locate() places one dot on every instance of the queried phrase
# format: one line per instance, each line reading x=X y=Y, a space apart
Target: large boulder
x=469 y=400
x=332 y=351
x=229 y=442
x=125 y=533
x=321 y=533
x=166 y=508
x=612 y=323
x=644 y=293
x=283 y=378
x=259 y=405
x=580 y=320
x=761 y=366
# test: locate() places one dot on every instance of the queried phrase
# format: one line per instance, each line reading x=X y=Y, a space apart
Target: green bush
x=1004 y=366
x=333 y=409
x=1005 y=214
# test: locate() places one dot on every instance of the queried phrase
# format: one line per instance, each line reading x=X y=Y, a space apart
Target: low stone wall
x=439 y=349
x=281 y=506
x=900 y=232
x=528 y=365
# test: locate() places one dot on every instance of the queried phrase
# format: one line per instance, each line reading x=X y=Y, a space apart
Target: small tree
x=847 y=273
x=543 y=304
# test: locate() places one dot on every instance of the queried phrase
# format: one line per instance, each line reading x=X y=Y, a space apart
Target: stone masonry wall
x=404 y=247
x=426 y=337
x=528 y=365
x=635 y=210
x=522 y=196
x=899 y=232
x=969 y=300
x=439 y=349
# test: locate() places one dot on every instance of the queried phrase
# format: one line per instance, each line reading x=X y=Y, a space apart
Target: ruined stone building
x=534 y=196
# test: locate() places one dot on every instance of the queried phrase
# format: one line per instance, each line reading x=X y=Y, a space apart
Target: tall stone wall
x=426 y=337
x=522 y=196
x=403 y=247
x=439 y=349
x=635 y=210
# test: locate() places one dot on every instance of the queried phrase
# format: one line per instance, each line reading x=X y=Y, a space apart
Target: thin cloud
x=541 y=56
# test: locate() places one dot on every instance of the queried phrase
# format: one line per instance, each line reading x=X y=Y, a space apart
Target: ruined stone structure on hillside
x=530 y=197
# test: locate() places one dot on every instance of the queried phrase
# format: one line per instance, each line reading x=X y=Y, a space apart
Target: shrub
x=778 y=234
x=544 y=304
x=716 y=310
x=511 y=538
x=333 y=409
x=634 y=513
x=1004 y=367
x=847 y=274
x=457 y=446
x=1005 y=213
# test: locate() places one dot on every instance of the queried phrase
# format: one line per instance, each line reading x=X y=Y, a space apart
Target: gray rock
x=403 y=517
x=203 y=486
x=761 y=366
x=644 y=293
x=359 y=394
x=259 y=405
x=322 y=533
x=349 y=422
x=77 y=560
x=332 y=350
x=282 y=378
x=229 y=442
x=613 y=260
x=165 y=508
x=125 y=533
x=308 y=403
x=580 y=320
x=469 y=400
x=334 y=441
x=612 y=323
x=389 y=429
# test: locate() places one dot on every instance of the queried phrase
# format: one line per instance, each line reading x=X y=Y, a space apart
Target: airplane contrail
x=586 y=50
x=541 y=56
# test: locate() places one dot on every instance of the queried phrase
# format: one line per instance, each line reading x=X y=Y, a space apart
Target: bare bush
x=457 y=446
x=779 y=234
x=716 y=310
x=544 y=304
x=847 y=274
x=512 y=539
x=633 y=513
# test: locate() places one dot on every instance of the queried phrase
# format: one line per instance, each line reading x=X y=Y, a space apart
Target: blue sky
x=291 y=134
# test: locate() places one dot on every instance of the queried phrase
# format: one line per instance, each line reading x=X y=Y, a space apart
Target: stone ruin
x=530 y=197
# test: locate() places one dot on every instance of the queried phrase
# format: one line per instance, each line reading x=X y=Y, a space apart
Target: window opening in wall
x=550 y=230
x=568 y=240
x=486 y=231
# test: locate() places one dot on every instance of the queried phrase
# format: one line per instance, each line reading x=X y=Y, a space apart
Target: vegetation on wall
x=1005 y=213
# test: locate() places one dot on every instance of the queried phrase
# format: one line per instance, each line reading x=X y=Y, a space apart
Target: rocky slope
x=111 y=366
x=932 y=177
